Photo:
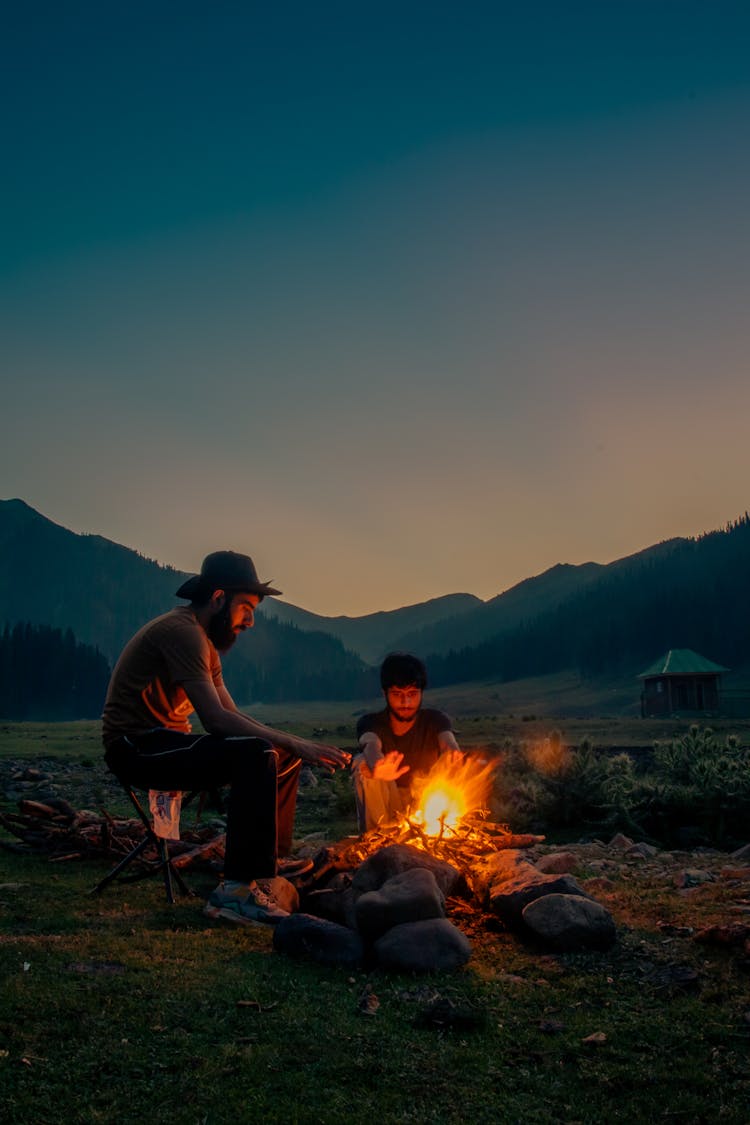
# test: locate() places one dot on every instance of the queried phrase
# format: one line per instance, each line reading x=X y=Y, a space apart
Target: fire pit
x=385 y=898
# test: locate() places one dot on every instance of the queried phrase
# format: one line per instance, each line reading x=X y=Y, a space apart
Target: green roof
x=682 y=662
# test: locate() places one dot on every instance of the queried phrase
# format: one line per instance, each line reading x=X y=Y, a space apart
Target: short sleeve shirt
x=147 y=685
x=419 y=745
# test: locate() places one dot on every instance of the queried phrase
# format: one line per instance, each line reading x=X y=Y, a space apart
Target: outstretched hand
x=389 y=768
x=320 y=754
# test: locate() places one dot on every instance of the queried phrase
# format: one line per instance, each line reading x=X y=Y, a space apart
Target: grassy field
x=121 y=1009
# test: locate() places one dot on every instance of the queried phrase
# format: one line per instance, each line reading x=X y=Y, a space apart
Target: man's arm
x=382 y=767
x=449 y=748
x=218 y=713
x=447 y=742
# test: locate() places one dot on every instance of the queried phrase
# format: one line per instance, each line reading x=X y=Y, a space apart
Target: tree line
x=46 y=674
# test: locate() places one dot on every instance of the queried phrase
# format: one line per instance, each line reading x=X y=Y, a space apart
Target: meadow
x=120 y=1009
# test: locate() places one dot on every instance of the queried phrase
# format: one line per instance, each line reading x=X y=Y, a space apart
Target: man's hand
x=389 y=768
x=320 y=754
x=453 y=757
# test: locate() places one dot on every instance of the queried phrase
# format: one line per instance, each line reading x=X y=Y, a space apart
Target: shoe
x=250 y=905
x=293 y=868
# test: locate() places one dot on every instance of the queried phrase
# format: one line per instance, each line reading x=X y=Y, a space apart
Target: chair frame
x=164 y=863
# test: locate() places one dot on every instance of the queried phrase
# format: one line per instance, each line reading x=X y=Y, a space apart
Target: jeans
x=263 y=784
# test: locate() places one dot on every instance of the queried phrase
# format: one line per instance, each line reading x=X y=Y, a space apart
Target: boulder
x=509 y=899
x=434 y=945
x=567 y=922
x=302 y=935
x=396 y=858
x=412 y=896
x=641 y=850
x=335 y=901
x=496 y=868
x=557 y=863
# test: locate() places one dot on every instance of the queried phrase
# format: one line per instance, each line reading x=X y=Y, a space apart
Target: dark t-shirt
x=147 y=686
x=419 y=745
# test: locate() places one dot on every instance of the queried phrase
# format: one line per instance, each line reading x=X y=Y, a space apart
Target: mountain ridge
x=682 y=592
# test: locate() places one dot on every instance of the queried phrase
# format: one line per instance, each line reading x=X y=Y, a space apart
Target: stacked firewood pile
x=56 y=829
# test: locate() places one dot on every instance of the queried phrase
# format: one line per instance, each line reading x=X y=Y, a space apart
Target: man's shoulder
x=433 y=717
x=373 y=721
x=174 y=620
x=177 y=628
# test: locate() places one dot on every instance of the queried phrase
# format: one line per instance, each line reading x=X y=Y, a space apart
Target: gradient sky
x=401 y=299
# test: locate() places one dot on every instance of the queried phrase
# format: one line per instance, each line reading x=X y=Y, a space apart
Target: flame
x=456 y=785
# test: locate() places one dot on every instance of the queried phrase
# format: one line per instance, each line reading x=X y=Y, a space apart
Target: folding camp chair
x=147 y=868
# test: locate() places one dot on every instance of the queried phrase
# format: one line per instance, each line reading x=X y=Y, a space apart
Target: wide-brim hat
x=225 y=570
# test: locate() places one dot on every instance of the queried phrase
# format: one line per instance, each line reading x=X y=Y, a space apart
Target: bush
x=698 y=787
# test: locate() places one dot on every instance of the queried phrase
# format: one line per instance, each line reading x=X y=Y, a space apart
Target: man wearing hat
x=170 y=669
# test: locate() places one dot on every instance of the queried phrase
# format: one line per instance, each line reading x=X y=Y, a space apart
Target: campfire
x=449 y=817
x=455 y=787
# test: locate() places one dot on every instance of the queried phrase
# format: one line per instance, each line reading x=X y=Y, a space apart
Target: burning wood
x=448 y=819
x=449 y=814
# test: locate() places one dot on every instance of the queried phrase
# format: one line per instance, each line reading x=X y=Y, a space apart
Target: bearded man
x=399 y=744
x=172 y=668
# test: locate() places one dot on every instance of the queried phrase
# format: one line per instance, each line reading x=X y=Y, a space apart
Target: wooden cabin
x=681 y=682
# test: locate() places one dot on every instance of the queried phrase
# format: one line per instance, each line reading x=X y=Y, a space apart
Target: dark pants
x=262 y=797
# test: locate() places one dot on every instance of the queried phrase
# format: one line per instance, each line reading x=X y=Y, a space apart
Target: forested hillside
x=689 y=593
x=599 y=619
x=46 y=674
x=103 y=592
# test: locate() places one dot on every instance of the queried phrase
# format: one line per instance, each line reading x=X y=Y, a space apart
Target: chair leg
x=171 y=875
x=124 y=862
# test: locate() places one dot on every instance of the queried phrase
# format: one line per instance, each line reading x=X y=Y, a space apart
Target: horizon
x=397 y=300
x=389 y=609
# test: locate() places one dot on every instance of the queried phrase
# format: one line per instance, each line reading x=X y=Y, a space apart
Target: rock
x=396 y=858
x=509 y=900
x=334 y=905
x=598 y=884
x=742 y=854
x=642 y=850
x=620 y=843
x=741 y=874
x=692 y=877
x=570 y=922
x=557 y=863
x=494 y=869
x=302 y=935
x=412 y=896
x=435 y=945
x=307 y=778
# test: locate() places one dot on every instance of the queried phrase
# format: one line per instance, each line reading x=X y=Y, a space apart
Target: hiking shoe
x=249 y=905
x=292 y=868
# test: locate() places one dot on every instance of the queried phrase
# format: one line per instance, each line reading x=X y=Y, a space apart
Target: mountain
x=55 y=577
x=598 y=619
x=104 y=592
x=375 y=634
x=683 y=593
x=480 y=622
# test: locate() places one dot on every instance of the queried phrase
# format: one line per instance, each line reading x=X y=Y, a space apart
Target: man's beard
x=220 y=631
x=402 y=715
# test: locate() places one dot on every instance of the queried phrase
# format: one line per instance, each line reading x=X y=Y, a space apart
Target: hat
x=225 y=570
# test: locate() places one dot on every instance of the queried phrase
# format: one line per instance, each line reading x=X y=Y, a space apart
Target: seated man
x=172 y=668
x=398 y=743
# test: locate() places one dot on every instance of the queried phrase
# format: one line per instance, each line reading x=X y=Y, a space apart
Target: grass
x=121 y=1009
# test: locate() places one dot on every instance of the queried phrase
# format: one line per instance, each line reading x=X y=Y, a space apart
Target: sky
x=400 y=299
